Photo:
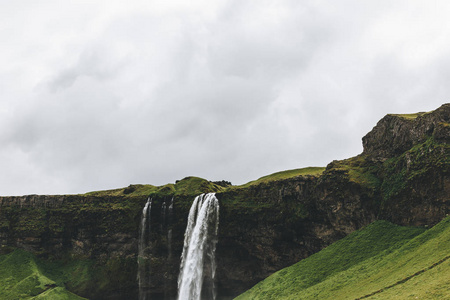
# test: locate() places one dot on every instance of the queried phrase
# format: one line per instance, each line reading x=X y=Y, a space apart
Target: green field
x=380 y=261
x=23 y=276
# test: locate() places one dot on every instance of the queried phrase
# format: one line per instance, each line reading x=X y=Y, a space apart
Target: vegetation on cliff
x=288 y=174
x=380 y=261
x=191 y=186
x=416 y=164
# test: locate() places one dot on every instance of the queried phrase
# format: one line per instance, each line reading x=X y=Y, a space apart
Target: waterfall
x=163 y=216
x=166 y=229
x=143 y=275
x=198 y=258
x=169 y=231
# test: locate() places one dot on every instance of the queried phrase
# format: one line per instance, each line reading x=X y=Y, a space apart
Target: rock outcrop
x=395 y=134
x=401 y=176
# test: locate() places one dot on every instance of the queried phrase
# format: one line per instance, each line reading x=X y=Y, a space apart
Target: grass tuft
x=410 y=116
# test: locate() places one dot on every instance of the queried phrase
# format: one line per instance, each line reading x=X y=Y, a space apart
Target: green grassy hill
x=282 y=175
x=380 y=261
x=23 y=276
x=187 y=186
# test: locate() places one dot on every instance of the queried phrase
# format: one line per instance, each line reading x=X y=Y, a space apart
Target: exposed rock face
x=416 y=164
x=78 y=227
x=402 y=176
x=395 y=134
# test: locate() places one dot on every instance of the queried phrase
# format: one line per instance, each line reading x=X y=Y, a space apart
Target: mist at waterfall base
x=198 y=266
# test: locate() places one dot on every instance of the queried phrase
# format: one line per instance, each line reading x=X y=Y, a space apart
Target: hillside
x=380 y=261
x=23 y=276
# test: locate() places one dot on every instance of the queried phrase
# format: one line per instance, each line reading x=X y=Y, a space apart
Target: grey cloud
x=91 y=63
x=237 y=48
x=254 y=88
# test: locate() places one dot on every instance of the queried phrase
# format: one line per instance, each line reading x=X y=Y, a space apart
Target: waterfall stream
x=198 y=268
x=143 y=275
x=169 y=231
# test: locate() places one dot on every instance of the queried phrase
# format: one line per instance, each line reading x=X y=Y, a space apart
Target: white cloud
x=101 y=94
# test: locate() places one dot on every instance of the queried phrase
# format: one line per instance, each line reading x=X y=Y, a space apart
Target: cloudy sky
x=101 y=94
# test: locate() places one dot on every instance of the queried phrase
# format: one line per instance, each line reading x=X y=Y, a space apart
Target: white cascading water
x=169 y=231
x=143 y=275
x=198 y=258
x=163 y=216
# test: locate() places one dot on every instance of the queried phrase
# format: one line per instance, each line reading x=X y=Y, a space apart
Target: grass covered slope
x=23 y=277
x=194 y=186
x=187 y=186
x=282 y=175
x=380 y=261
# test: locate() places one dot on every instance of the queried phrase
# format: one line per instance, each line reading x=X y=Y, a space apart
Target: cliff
x=402 y=176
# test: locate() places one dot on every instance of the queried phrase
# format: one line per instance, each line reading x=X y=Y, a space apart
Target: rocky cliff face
x=76 y=227
x=401 y=176
x=395 y=134
x=412 y=157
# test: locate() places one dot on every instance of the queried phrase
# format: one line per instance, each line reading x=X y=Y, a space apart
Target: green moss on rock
x=416 y=164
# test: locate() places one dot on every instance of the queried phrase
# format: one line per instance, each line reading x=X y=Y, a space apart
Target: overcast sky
x=102 y=94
